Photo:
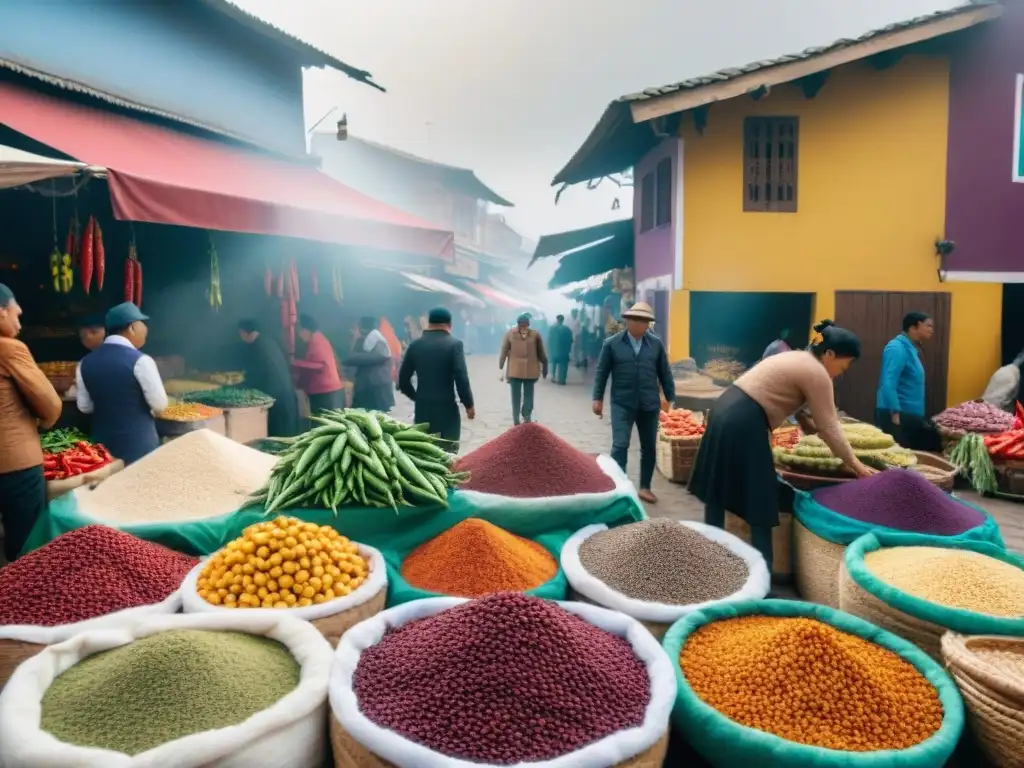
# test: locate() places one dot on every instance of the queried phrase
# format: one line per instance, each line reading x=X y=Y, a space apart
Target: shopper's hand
x=471 y=413
x=895 y=418
x=598 y=409
x=862 y=470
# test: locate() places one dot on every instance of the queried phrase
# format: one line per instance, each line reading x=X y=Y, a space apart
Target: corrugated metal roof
x=623 y=142
x=311 y=55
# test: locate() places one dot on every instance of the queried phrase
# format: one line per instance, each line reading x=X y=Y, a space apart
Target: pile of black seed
x=663 y=561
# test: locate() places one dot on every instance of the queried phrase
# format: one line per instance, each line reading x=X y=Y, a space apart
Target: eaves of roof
x=604 y=255
x=622 y=135
x=560 y=242
x=308 y=54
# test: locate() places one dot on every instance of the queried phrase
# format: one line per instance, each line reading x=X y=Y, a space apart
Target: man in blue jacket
x=638 y=365
x=899 y=403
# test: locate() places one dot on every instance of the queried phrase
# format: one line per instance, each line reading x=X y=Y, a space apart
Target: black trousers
x=913 y=432
x=646 y=422
x=22 y=501
x=326 y=401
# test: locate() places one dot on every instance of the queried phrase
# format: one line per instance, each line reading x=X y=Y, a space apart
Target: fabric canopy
x=18 y=167
x=499 y=297
x=433 y=285
x=164 y=176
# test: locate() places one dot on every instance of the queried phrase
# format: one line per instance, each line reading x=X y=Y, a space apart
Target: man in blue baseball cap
x=122 y=388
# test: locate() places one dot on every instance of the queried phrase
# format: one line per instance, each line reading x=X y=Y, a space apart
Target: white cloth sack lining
x=573 y=502
x=758 y=584
x=289 y=734
x=405 y=753
x=29 y=633
x=376 y=580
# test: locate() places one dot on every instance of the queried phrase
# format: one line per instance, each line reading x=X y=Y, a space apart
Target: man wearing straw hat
x=638 y=365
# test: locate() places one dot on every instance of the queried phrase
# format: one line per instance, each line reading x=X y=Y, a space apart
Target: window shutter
x=663 y=196
x=770 y=149
x=647 y=192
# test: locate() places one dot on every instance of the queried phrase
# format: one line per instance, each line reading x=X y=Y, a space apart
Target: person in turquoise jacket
x=899 y=403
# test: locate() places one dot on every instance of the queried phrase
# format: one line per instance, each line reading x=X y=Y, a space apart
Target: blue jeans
x=646 y=422
x=559 y=370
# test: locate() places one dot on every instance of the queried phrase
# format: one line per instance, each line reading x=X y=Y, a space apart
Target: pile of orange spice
x=475 y=558
x=807 y=682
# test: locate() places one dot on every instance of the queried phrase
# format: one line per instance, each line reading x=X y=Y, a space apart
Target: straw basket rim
x=959 y=654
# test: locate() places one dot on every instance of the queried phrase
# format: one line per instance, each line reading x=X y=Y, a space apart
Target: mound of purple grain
x=502 y=680
x=902 y=500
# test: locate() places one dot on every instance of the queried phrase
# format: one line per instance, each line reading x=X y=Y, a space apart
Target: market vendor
x=92 y=331
x=122 y=388
x=267 y=369
x=318 y=374
x=27 y=401
x=1004 y=387
x=734 y=469
x=900 y=400
x=373 y=384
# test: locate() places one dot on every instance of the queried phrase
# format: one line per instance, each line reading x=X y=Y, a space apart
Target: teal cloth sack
x=724 y=743
x=839 y=529
x=957 y=619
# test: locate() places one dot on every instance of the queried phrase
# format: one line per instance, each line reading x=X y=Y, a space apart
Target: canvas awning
x=164 y=176
x=433 y=285
x=498 y=297
x=18 y=167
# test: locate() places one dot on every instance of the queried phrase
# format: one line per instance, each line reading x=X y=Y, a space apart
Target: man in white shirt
x=122 y=388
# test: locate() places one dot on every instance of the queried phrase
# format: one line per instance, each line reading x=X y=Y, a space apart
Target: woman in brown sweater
x=734 y=469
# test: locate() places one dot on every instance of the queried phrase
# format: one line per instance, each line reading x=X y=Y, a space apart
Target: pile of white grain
x=199 y=475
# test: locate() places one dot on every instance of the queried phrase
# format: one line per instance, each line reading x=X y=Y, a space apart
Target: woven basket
x=333 y=627
x=817 y=563
x=989 y=671
x=1010 y=477
x=782 y=543
x=937 y=470
x=675 y=457
x=656 y=629
x=12 y=653
x=924 y=634
x=349 y=753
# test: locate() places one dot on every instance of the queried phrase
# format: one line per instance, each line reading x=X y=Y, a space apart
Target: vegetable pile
x=721 y=369
x=85 y=573
x=503 y=680
x=972 y=460
x=807 y=682
x=870 y=444
x=973 y=417
x=282 y=563
x=1007 y=446
x=661 y=561
x=60 y=368
x=680 y=424
x=787 y=436
x=361 y=458
x=954 y=578
x=167 y=686
x=189 y=412
x=555 y=467
x=80 y=459
x=229 y=397
x=474 y=558
x=57 y=440
x=905 y=501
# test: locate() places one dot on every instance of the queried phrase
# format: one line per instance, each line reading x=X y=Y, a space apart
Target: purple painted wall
x=654 y=250
x=984 y=206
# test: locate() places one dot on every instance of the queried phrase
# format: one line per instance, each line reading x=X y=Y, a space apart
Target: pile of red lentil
x=502 y=680
x=531 y=461
x=86 y=573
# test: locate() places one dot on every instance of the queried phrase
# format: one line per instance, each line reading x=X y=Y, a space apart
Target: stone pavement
x=566 y=411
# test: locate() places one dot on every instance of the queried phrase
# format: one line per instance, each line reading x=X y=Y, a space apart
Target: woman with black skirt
x=734 y=469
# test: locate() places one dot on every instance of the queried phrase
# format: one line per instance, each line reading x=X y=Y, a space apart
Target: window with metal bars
x=647 y=202
x=770 y=148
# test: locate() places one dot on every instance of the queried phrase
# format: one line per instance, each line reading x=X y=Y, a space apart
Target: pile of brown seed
x=662 y=561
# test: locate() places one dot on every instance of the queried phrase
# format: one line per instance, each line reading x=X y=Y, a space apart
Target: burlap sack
x=817 y=563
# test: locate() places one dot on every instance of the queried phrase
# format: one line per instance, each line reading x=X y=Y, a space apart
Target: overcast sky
x=511 y=88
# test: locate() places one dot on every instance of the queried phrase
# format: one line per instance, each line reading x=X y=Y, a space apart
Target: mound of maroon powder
x=502 y=680
x=903 y=500
x=530 y=461
x=85 y=573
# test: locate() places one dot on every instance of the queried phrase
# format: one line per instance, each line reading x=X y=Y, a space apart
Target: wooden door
x=876 y=317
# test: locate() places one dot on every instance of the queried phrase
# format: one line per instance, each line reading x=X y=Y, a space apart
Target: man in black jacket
x=638 y=364
x=267 y=369
x=438 y=361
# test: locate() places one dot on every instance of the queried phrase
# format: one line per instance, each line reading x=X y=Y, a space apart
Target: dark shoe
x=646 y=495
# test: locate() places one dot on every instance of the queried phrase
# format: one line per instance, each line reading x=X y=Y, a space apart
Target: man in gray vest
x=637 y=363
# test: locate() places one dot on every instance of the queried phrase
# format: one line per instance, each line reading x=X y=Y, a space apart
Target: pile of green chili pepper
x=229 y=397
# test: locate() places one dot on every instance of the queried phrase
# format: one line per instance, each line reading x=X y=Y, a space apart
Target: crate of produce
x=246 y=411
x=750 y=691
x=989 y=671
x=181 y=418
x=920 y=587
x=679 y=433
x=400 y=678
x=189 y=690
x=61 y=375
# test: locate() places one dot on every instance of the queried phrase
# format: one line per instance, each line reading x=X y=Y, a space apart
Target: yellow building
x=812 y=187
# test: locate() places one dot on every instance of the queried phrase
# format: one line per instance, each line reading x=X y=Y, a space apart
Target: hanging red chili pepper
x=87 y=263
x=138 y=281
x=99 y=255
x=314 y=283
x=268 y=281
x=280 y=284
x=69 y=242
x=129 y=275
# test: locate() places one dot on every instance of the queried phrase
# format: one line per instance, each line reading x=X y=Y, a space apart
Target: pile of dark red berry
x=502 y=680
x=86 y=573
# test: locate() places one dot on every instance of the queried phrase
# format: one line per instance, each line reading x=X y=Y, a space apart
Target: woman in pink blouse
x=317 y=372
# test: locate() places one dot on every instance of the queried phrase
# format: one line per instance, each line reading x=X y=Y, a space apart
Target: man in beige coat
x=523 y=349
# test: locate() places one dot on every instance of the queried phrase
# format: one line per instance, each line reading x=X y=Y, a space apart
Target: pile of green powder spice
x=166 y=686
